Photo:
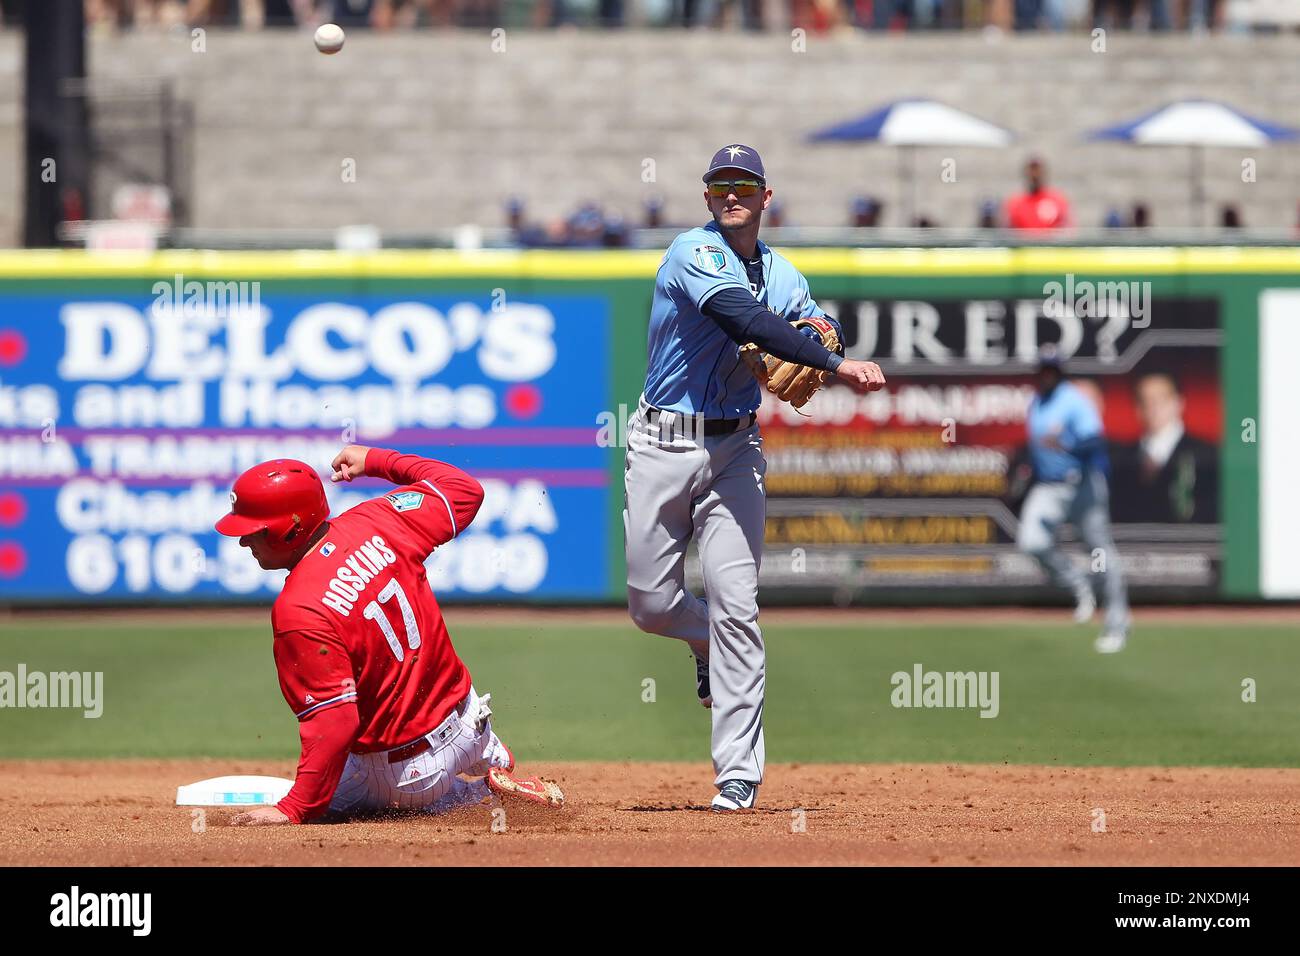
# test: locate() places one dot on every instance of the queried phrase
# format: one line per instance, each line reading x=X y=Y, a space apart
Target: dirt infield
x=122 y=813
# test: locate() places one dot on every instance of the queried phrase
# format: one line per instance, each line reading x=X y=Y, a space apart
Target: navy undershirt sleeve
x=746 y=320
x=1092 y=454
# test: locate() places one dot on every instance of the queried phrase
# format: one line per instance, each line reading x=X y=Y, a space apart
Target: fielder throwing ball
x=1067 y=449
x=387 y=714
x=728 y=313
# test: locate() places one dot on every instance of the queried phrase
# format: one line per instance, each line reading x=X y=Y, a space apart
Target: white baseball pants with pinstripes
x=463 y=743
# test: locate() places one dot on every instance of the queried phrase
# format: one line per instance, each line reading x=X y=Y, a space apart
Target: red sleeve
x=315 y=671
x=448 y=497
x=326 y=737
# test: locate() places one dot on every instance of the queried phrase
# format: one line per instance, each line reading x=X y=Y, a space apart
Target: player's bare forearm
x=864 y=376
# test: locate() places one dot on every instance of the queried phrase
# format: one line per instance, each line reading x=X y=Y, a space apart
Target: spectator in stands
x=352 y=13
x=479 y=13
x=1230 y=217
x=610 y=13
x=400 y=14
x=819 y=16
x=1196 y=15
x=988 y=215
x=774 y=215
x=654 y=213
x=686 y=13
x=886 y=13
x=1141 y=216
x=1113 y=219
x=122 y=14
x=587 y=226
x=617 y=235
x=751 y=13
x=1037 y=14
x=1038 y=207
x=866 y=212
x=224 y=13
x=524 y=233
x=857 y=13
x=1157 y=14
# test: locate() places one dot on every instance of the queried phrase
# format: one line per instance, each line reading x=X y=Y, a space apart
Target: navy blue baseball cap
x=1049 y=356
x=744 y=158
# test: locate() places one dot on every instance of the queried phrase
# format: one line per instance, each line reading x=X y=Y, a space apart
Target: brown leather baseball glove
x=789 y=381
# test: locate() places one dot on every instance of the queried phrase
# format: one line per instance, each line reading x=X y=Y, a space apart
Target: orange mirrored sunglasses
x=743 y=188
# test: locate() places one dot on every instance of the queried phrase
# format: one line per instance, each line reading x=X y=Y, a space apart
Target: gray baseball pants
x=679 y=485
x=1086 y=505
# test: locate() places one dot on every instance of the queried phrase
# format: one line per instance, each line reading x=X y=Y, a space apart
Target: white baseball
x=329 y=38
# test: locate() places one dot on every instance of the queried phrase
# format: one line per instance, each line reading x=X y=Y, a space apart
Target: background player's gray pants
x=683 y=485
x=1085 y=505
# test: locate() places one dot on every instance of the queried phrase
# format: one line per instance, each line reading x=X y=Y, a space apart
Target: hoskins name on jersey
x=357 y=570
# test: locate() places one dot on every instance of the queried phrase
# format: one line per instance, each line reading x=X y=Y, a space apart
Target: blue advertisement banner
x=124 y=420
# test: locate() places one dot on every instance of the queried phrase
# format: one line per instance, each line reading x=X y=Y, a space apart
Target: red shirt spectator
x=1038 y=207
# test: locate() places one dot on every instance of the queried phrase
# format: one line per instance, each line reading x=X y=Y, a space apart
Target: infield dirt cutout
x=122 y=812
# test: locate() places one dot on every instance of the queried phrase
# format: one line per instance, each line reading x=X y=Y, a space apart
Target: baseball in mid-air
x=329 y=38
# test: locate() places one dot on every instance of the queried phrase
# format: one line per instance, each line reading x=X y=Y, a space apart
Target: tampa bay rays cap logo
x=739 y=157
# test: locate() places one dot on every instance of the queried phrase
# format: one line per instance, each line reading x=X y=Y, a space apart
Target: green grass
x=574 y=692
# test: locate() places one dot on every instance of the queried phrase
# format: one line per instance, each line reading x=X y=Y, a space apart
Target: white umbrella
x=1197 y=124
x=910 y=123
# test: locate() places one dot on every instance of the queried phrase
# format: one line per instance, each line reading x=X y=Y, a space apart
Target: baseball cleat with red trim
x=533 y=789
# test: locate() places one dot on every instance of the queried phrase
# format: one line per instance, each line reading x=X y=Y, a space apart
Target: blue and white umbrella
x=910 y=123
x=1197 y=124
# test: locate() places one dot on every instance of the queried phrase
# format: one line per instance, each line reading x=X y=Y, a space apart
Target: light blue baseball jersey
x=694 y=367
x=1072 y=417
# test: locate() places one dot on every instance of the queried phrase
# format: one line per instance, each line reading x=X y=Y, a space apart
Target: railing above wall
x=474 y=237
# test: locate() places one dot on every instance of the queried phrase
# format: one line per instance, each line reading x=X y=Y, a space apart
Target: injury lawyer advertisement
x=124 y=420
x=921 y=485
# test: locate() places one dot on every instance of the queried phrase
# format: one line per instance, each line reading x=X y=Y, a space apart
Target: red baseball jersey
x=357 y=621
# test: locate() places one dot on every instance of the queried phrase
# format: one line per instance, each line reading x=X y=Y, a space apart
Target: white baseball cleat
x=1085 y=605
x=735 y=795
x=1112 y=642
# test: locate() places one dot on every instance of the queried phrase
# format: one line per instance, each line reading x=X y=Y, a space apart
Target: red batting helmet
x=284 y=497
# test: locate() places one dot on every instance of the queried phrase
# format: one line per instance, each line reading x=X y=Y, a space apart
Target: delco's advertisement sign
x=123 y=422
